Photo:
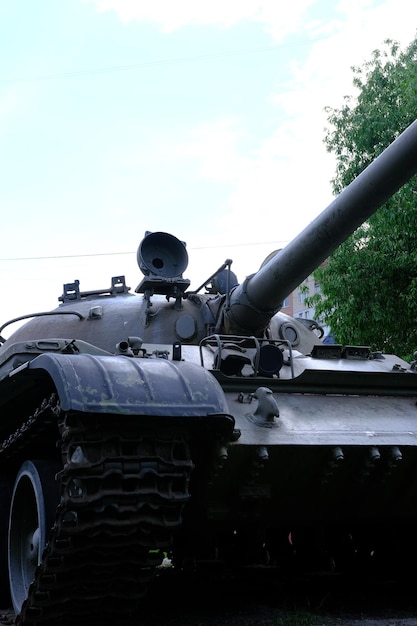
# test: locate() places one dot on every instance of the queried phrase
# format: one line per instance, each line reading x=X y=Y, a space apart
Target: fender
x=128 y=386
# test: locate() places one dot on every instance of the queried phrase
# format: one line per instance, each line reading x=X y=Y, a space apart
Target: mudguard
x=124 y=385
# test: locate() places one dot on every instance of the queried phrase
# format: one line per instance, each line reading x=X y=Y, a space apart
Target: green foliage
x=369 y=286
x=297 y=619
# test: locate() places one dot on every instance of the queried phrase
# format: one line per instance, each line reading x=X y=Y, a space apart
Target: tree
x=369 y=285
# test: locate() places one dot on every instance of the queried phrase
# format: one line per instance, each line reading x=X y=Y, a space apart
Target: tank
x=201 y=426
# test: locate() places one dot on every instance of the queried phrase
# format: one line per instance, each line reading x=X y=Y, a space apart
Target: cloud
x=278 y=18
x=216 y=145
x=354 y=18
x=15 y=101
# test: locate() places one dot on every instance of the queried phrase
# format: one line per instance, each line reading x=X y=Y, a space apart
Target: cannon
x=200 y=426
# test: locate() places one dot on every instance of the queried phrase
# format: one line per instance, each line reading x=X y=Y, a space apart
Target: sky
x=205 y=120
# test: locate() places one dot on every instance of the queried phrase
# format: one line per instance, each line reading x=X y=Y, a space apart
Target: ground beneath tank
x=260 y=598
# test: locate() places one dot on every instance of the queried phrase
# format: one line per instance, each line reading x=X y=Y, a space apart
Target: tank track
x=123 y=489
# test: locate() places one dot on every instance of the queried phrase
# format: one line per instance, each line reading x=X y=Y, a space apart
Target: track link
x=123 y=489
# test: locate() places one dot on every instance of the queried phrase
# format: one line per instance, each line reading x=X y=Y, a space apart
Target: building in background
x=295 y=304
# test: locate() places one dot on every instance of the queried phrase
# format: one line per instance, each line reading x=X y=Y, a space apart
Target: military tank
x=200 y=426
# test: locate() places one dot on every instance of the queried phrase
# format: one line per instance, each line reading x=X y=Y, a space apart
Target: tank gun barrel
x=260 y=296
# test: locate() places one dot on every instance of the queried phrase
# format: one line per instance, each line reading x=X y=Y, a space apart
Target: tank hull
x=200 y=427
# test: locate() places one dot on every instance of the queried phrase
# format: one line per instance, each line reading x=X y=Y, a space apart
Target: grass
x=297 y=619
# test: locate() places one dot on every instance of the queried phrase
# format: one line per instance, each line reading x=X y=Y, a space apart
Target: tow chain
x=123 y=489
